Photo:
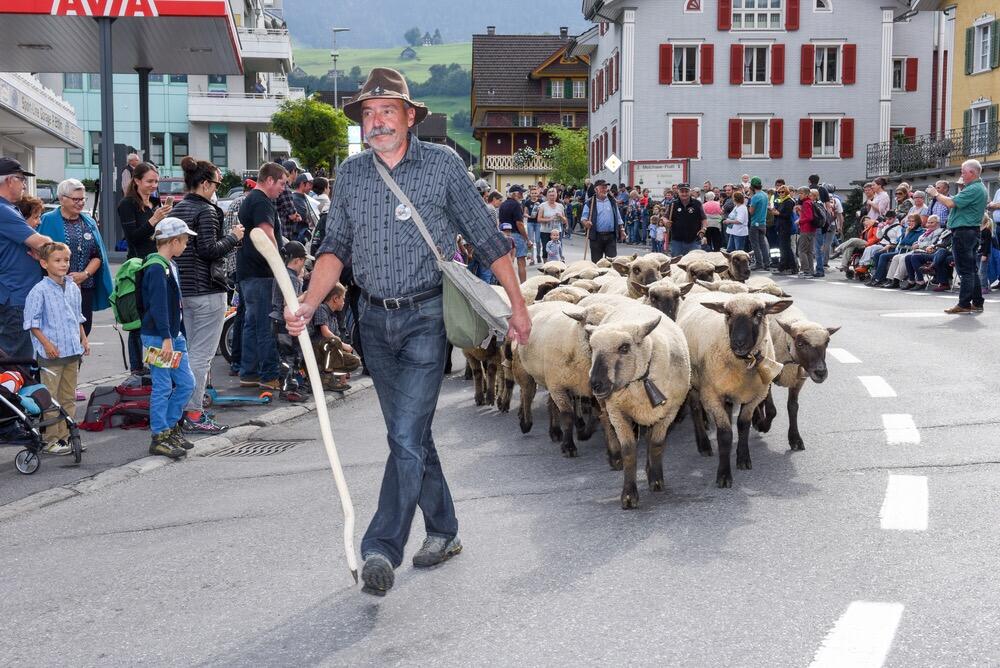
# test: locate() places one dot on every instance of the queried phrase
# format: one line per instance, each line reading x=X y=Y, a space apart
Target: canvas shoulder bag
x=474 y=313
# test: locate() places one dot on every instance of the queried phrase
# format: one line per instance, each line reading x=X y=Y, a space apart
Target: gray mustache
x=378 y=132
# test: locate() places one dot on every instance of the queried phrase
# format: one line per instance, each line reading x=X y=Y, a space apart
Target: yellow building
x=975 y=95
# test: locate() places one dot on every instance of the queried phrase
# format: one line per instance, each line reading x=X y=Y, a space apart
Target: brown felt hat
x=384 y=83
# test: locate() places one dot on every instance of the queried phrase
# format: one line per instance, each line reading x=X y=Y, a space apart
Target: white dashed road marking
x=905 y=504
x=900 y=429
x=877 y=387
x=861 y=638
x=843 y=356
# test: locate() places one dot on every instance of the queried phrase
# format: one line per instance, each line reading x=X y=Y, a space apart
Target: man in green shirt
x=967 y=210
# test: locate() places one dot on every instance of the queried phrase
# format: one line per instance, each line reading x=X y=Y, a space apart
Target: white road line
x=861 y=638
x=860 y=287
x=915 y=314
x=952 y=297
x=900 y=429
x=877 y=387
x=905 y=504
x=843 y=356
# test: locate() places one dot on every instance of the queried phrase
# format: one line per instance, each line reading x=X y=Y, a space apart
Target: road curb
x=203 y=447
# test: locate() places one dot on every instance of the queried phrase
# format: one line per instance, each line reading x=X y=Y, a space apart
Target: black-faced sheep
x=739 y=266
x=732 y=363
x=664 y=295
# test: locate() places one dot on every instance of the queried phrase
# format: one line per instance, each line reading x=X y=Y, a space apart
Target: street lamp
x=335 y=54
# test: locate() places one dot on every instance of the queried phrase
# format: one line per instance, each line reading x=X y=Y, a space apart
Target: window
x=755 y=64
x=525 y=121
x=981 y=47
x=823 y=6
x=73 y=81
x=579 y=89
x=898 y=73
x=155 y=78
x=178 y=147
x=95 y=81
x=95 y=147
x=74 y=156
x=556 y=89
x=568 y=120
x=757 y=15
x=754 y=138
x=685 y=138
x=219 y=148
x=827 y=64
x=156 y=148
x=824 y=138
x=980 y=130
x=685 y=64
x=178 y=78
x=217 y=82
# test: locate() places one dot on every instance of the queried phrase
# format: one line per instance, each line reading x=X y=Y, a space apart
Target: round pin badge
x=402 y=212
x=88 y=236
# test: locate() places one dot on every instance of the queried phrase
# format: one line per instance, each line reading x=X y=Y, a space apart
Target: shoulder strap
x=401 y=196
x=154 y=258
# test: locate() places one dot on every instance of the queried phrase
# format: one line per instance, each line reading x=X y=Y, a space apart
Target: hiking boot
x=249 y=381
x=162 y=445
x=175 y=436
x=377 y=575
x=58 y=448
x=203 y=425
x=435 y=550
x=959 y=310
x=274 y=384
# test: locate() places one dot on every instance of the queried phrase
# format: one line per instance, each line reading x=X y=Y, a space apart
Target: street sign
x=613 y=163
x=658 y=174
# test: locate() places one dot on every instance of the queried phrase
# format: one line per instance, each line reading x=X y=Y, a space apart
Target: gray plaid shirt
x=389 y=257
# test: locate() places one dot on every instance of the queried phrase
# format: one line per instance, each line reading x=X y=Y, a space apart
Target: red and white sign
x=118 y=8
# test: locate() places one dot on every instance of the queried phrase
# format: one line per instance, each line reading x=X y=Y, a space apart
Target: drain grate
x=256 y=449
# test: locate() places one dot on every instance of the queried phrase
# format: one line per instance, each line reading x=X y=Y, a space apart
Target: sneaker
x=819 y=274
x=57 y=448
x=80 y=396
x=944 y=287
x=273 y=384
x=161 y=445
x=249 y=381
x=959 y=310
x=894 y=284
x=436 y=550
x=978 y=308
x=175 y=437
x=849 y=273
x=203 y=425
x=377 y=575
x=919 y=286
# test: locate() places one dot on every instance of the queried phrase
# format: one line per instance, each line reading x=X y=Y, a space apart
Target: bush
x=230 y=180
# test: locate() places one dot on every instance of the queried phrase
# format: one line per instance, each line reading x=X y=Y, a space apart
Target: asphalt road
x=874 y=546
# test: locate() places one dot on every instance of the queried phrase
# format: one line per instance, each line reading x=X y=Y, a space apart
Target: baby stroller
x=293 y=382
x=24 y=401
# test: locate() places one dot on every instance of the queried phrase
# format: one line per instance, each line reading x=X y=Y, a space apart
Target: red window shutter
x=849 y=53
x=707 y=63
x=847 y=138
x=910 y=133
x=805 y=138
x=666 y=64
x=776 y=149
x=593 y=93
x=614 y=139
x=911 y=75
x=735 y=138
x=614 y=71
x=736 y=64
x=725 y=14
x=777 y=64
x=684 y=138
x=792 y=15
x=808 y=58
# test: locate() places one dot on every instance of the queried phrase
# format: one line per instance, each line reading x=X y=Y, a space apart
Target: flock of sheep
x=629 y=342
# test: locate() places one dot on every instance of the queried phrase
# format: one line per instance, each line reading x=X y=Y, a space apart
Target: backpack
x=822 y=216
x=126 y=297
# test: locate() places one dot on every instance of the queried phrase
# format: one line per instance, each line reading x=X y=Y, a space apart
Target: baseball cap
x=291 y=164
x=172 y=226
x=600 y=182
x=506 y=227
x=755 y=182
x=10 y=166
x=294 y=250
x=303 y=177
x=684 y=186
x=250 y=183
x=482 y=185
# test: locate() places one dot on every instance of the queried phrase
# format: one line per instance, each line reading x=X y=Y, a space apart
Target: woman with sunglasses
x=88 y=262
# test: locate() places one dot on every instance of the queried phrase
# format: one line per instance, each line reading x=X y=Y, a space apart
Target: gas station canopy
x=166 y=36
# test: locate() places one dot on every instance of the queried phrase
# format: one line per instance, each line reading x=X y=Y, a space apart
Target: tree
x=568 y=155
x=413 y=36
x=316 y=131
x=461 y=119
x=355 y=73
x=437 y=36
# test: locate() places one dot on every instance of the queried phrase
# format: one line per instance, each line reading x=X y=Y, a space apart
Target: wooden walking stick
x=264 y=246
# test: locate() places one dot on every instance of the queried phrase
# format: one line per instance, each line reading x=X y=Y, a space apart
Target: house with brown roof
x=519 y=84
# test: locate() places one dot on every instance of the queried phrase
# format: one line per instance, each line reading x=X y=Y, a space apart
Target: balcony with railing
x=937 y=151
x=508 y=164
x=253 y=109
x=265 y=49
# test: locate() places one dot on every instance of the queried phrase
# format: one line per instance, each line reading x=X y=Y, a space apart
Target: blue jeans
x=405 y=353
x=882 y=265
x=14 y=338
x=534 y=231
x=818 y=245
x=171 y=387
x=683 y=247
x=736 y=243
x=258 y=350
x=965 y=247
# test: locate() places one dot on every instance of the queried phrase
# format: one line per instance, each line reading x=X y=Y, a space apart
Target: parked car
x=234 y=192
x=46 y=192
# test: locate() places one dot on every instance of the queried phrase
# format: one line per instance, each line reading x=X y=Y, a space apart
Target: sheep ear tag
x=403 y=212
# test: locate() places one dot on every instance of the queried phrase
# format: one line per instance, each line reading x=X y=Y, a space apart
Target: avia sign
x=104 y=8
x=118 y=8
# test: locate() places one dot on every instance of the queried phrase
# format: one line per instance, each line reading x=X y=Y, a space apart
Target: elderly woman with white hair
x=88 y=263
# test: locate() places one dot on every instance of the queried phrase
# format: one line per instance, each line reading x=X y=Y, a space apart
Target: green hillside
x=317 y=61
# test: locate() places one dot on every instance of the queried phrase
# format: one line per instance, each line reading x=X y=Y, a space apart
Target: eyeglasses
x=218 y=183
x=21 y=177
x=76 y=200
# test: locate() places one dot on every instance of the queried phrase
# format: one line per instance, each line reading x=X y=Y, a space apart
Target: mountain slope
x=382 y=23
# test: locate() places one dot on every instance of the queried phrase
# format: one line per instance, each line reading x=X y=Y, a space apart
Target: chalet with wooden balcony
x=519 y=84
